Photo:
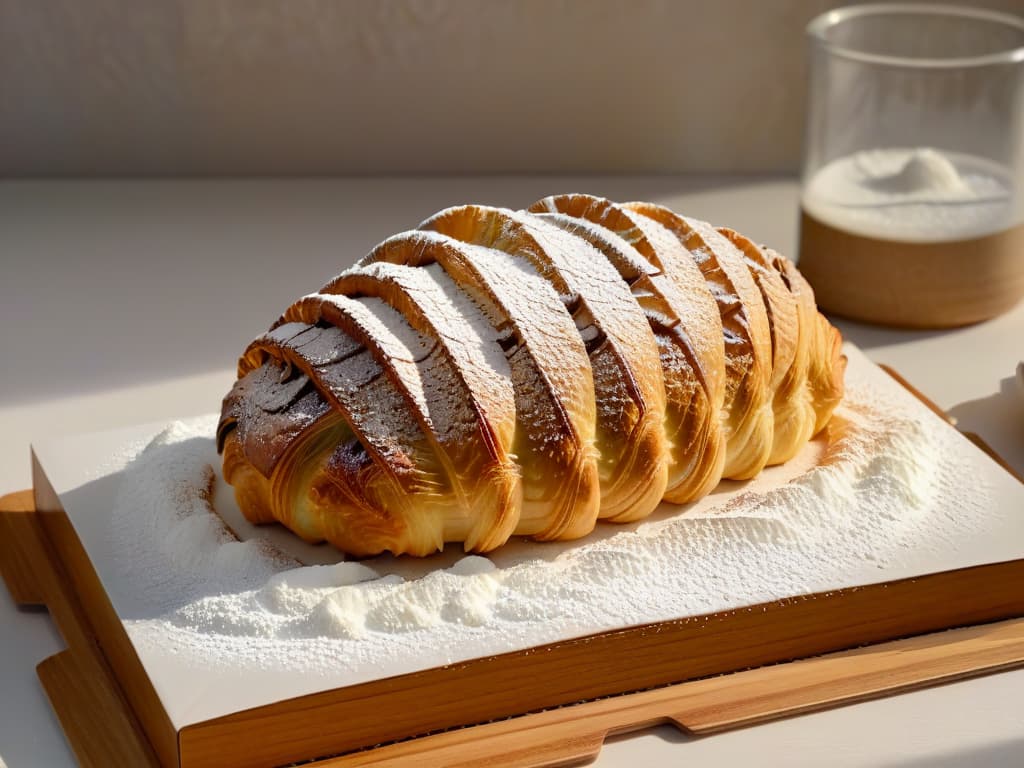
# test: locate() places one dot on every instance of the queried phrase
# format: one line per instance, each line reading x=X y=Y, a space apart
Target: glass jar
x=913 y=175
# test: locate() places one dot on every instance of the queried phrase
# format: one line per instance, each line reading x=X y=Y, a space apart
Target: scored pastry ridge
x=550 y=376
x=628 y=384
x=498 y=373
x=686 y=326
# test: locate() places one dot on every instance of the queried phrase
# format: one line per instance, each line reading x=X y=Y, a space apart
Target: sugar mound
x=922 y=171
x=915 y=194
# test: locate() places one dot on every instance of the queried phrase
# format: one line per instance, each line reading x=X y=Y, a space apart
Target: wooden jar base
x=912 y=285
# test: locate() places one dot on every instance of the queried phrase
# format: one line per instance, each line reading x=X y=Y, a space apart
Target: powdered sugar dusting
x=483 y=334
x=551 y=378
x=468 y=367
x=172 y=547
x=866 y=500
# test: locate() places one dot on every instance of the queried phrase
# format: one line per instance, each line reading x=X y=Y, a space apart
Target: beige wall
x=185 y=87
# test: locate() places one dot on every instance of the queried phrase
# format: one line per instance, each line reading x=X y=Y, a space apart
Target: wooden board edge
x=97 y=722
x=19 y=529
x=629 y=660
x=86 y=618
x=569 y=734
x=855 y=675
x=926 y=401
x=92 y=711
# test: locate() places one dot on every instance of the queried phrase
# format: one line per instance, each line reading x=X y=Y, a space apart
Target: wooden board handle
x=96 y=721
x=19 y=545
x=576 y=733
x=99 y=725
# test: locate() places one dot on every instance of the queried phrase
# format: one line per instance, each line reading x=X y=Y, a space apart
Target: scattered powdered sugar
x=880 y=494
x=170 y=545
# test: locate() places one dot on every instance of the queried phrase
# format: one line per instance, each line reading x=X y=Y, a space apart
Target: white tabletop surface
x=125 y=302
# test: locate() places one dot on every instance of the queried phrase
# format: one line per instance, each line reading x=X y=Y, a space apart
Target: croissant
x=497 y=373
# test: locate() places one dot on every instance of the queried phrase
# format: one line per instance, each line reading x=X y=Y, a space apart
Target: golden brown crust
x=550 y=374
x=747 y=414
x=791 y=403
x=468 y=381
x=623 y=353
x=683 y=316
x=820 y=341
x=396 y=477
x=502 y=373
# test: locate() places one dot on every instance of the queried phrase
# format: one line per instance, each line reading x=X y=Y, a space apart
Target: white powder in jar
x=914 y=194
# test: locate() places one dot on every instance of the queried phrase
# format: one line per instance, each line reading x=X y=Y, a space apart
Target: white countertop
x=111 y=291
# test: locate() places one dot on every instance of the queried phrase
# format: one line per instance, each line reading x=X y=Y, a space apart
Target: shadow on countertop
x=999 y=419
x=1004 y=755
x=868 y=336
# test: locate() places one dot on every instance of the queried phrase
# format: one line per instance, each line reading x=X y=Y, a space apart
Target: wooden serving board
x=587 y=688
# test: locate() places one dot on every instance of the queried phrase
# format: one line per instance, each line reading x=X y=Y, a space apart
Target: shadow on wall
x=111 y=285
x=192 y=87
